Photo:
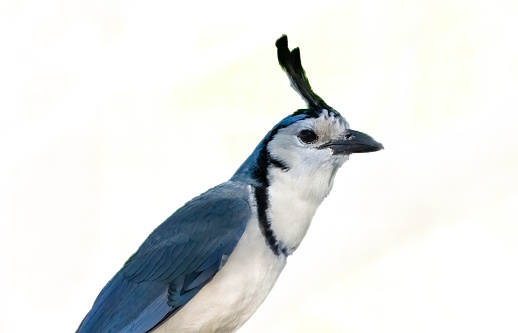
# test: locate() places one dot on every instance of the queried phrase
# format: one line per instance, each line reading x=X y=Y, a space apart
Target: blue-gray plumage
x=210 y=265
x=173 y=264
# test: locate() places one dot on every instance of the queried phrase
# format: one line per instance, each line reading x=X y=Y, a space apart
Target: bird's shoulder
x=210 y=224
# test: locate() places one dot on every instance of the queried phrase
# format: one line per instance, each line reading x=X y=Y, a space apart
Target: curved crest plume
x=291 y=64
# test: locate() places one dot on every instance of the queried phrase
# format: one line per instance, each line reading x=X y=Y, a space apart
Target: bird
x=210 y=265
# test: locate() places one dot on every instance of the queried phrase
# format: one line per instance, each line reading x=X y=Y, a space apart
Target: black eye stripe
x=307 y=136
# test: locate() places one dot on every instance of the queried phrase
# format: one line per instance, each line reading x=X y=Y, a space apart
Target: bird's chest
x=236 y=291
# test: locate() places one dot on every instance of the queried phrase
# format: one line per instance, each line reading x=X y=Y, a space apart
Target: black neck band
x=262 y=201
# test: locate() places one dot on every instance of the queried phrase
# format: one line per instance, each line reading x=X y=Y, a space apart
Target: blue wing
x=179 y=257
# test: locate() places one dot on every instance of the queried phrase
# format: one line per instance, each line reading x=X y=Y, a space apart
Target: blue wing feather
x=177 y=259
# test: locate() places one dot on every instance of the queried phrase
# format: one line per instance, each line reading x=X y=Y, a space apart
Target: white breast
x=236 y=291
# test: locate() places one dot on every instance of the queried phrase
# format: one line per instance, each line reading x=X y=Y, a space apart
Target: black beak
x=353 y=142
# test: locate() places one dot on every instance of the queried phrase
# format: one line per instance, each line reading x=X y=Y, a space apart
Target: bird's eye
x=307 y=136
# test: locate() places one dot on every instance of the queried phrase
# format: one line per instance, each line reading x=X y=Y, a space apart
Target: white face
x=298 y=148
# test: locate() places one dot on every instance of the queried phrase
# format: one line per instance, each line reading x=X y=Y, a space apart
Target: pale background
x=114 y=113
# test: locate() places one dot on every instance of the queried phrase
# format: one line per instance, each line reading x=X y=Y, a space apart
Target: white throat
x=294 y=198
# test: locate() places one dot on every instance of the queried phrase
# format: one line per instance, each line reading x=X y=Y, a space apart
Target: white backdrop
x=114 y=113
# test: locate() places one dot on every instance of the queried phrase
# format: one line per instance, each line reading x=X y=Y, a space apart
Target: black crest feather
x=291 y=64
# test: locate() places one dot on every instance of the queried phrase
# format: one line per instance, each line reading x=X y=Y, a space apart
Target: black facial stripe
x=279 y=164
x=260 y=172
x=262 y=198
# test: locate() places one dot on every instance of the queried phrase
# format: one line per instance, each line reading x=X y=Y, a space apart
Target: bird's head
x=310 y=144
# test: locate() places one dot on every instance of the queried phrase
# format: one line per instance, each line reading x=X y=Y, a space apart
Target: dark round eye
x=307 y=136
